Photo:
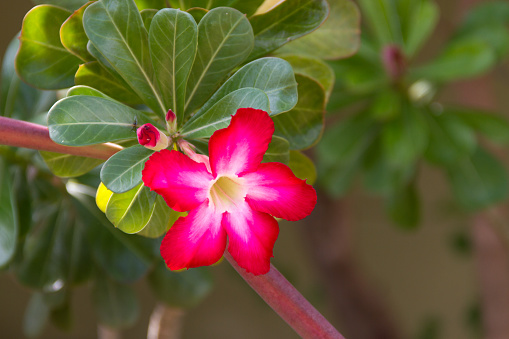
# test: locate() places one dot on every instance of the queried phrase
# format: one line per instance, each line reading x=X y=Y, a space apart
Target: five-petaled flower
x=230 y=194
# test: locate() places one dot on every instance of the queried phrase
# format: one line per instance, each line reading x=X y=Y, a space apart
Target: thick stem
x=19 y=133
x=165 y=323
x=288 y=303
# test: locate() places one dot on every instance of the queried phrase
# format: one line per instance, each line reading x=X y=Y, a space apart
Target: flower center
x=226 y=192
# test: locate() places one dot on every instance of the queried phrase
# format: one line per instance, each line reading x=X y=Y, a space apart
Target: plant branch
x=19 y=133
x=165 y=322
x=288 y=303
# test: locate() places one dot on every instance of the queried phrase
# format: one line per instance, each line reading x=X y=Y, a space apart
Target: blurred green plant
x=395 y=121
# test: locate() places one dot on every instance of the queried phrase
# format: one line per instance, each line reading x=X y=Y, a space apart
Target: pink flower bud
x=152 y=138
x=394 y=62
x=171 y=121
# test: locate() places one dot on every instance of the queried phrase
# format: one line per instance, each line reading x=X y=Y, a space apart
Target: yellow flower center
x=226 y=192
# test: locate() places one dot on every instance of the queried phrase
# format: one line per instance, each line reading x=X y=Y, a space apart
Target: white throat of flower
x=226 y=192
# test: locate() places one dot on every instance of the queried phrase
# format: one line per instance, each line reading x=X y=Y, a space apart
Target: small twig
x=19 y=133
x=288 y=303
x=165 y=323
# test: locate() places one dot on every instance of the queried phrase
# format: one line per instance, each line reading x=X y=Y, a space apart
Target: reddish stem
x=288 y=303
x=19 y=133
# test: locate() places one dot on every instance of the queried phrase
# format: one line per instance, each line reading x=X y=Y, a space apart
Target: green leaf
x=403 y=207
x=116 y=29
x=85 y=120
x=384 y=21
x=303 y=125
x=341 y=152
x=493 y=127
x=73 y=36
x=116 y=304
x=274 y=76
x=478 y=181
x=122 y=171
x=70 y=5
x=338 y=37
x=94 y=75
x=450 y=139
x=461 y=59
x=219 y=115
x=161 y=220
x=184 y=289
x=173 y=42
x=36 y=316
x=405 y=138
x=286 y=22
x=248 y=7
x=9 y=227
x=197 y=13
x=131 y=211
x=225 y=39
x=147 y=15
x=126 y=258
x=68 y=166
x=278 y=151
x=313 y=68
x=42 y=61
x=421 y=23
x=86 y=90
x=150 y=4
x=302 y=167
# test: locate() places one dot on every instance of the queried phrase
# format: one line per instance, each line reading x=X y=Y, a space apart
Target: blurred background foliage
x=390 y=123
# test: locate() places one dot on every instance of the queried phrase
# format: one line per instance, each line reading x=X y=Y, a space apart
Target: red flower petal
x=182 y=182
x=240 y=147
x=251 y=238
x=195 y=240
x=275 y=190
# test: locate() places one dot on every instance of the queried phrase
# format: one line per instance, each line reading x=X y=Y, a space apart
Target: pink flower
x=151 y=137
x=232 y=194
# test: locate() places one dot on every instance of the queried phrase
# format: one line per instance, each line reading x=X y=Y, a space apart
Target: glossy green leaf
x=278 y=151
x=341 y=152
x=94 y=75
x=274 y=76
x=338 y=37
x=126 y=258
x=404 y=208
x=302 y=167
x=493 y=127
x=131 y=211
x=225 y=39
x=303 y=125
x=183 y=289
x=45 y=253
x=42 y=61
x=85 y=120
x=219 y=115
x=478 y=181
x=116 y=29
x=116 y=304
x=248 y=7
x=122 y=171
x=405 y=137
x=421 y=22
x=36 y=316
x=70 y=5
x=73 y=36
x=150 y=4
x=9 y=227
x=86 y=90
x=313 y=68
x=161 y=220
x=147 y=15
x=461 y=59
x=173 y=42
x=67 y=166
x=450 y=139
x=383 y=19
x=286 y=22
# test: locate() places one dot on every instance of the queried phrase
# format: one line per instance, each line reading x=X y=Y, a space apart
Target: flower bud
x=189 y=150
x=171 y=121
x=394 y=61
x=152 y=138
